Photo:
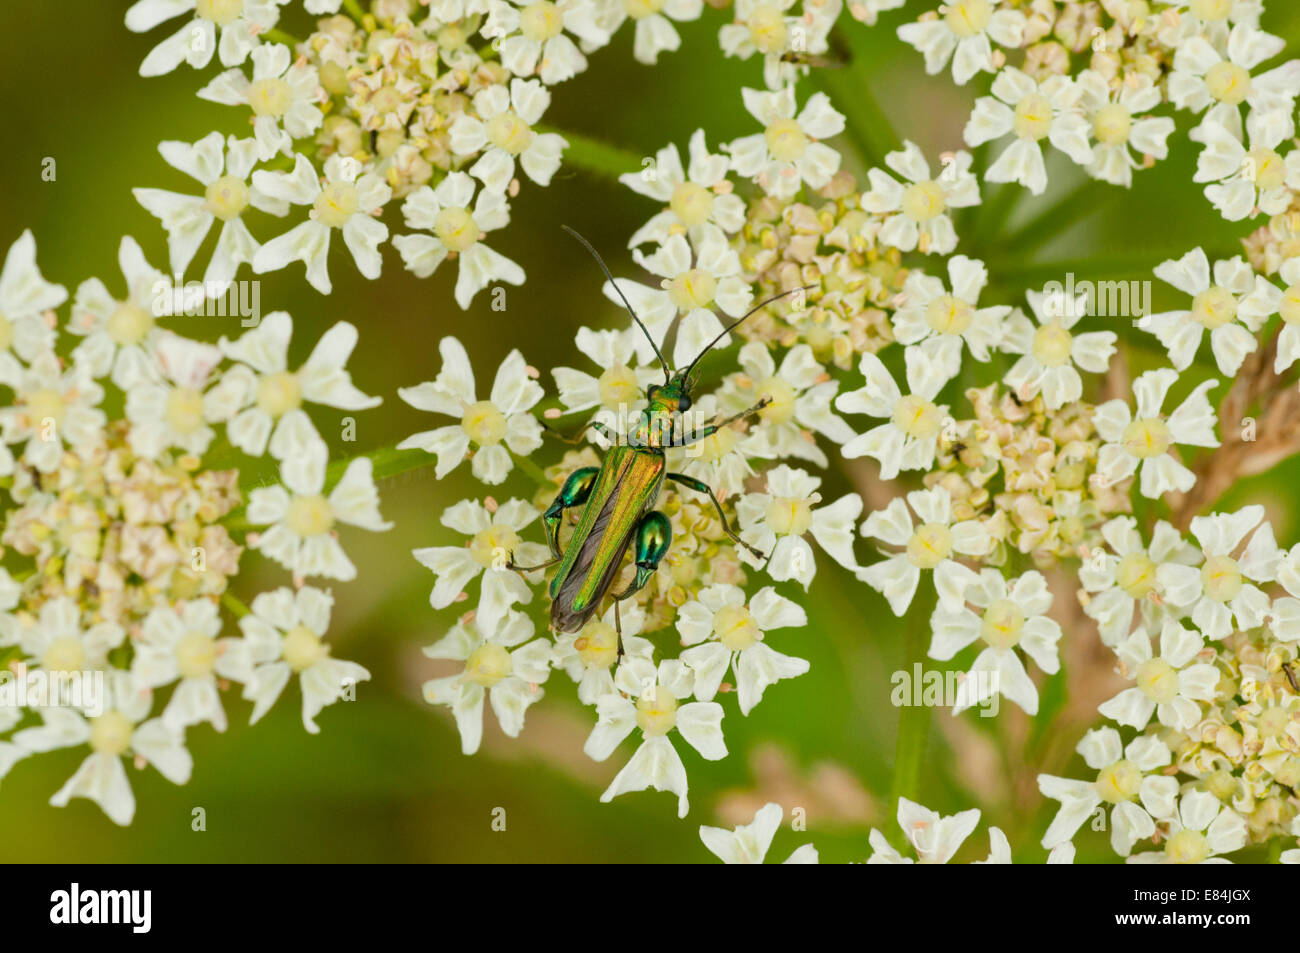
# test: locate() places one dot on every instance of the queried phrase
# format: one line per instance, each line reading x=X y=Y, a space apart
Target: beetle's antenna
x=603 y=267
x=731 y=327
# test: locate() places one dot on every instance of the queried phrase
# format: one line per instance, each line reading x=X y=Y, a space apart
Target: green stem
x=914 y=720
x=532 y=469
x=354 y=9
x=232 y=602
x=1077 y=204
x=866 y=124
x=595 y=156
x=279 y=36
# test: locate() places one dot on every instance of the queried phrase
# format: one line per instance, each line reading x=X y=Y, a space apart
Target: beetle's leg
x=582 y=433
x=654 y=534
x=686 y=438
x=700 y=486
x=575 y=491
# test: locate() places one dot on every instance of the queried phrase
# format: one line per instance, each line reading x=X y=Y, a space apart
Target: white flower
x=1129 y=778
x=699 y=194
x=502 y=123
x=1032 y=112
x=654 y=32
x=768 y=27
x=787 y=153
x=457 y=232
x=801 y=394
x=1147 y=438
x=934 y=837
x=648 y=698
x=965 y=29
x=1208 y=18
x=1009 y=618
x=494 y=541
x=1247 y=182
x=56 y=640
x=588 y=656
x=1050 y=351
x=938 y=321
x=620 y=388
x=1168 y=685
x=301 y=536
x=910 y=439
x=1203 y=77
x=1201 y=830
x=284 y=631
x=121 y=335
x=1220 y=305
x=748 y=843
x=922 y=222
x=169 y=407
x=694 y=281
x=24 y=297
x=124 y=729
x=498 y=426
x=345 y=202
x=51 y=408
x=725 y=634
x=269 y=396
x=867 y=11
x=223 y=168
x=1287 y=304
x=1220 y=590
x=532 y=37
x=499 y=667
x=180 y=642
x=1129 y=577
x=1118 y=122
x=775 y=523
x=931 y=545
x=240 y=21
x=283 y=94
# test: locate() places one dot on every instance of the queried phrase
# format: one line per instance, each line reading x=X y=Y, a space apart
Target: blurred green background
x=385 y=780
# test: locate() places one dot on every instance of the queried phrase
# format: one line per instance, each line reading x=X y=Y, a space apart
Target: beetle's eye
x=684 y=403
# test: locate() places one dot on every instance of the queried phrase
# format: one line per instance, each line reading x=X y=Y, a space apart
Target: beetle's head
x=674 y=396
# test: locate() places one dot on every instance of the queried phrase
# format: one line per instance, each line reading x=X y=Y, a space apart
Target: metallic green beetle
x=619 y=496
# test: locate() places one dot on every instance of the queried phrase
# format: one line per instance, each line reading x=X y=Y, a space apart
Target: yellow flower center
x=184 y=413
x=220 y=12
x=736 y=628
x=597 y=645
x=618 y=387
x=196 y=653
x=1214 y=307
x=309 y=516
x=540 y=21
x=781 y=409
x=226 y=197
x=917 y=417
x=488 y=664
x=1213 y=10
x=485 y=424
x=507 y=131
x=1272 y=722
x=1002 y=624
x=279 y=393
x=336 y=203
x=1147 y=437
x=456 y=229
x=1112 y=124
x=788 y=517
x=930 y=545
x=493 y=546
x=65 y=654
x=110 y=733
x=1270 y=169
x=949 y=315
x=786 y=140
x=1221 y=577
x=1136 y=575
x=767 y=29
x=302 y=648
x=128 y=324
x=656 y=711
x=1158 y=680
x=923 y=201
x=1228 y=83
x=695 y=289
x=1290 y=305
x=1033 y=117
x=270 y=97
x=1187 y=847
x=967 y=18
x=46 y=403
x=691 y=203
x=640 y=9
x=1118 y=782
